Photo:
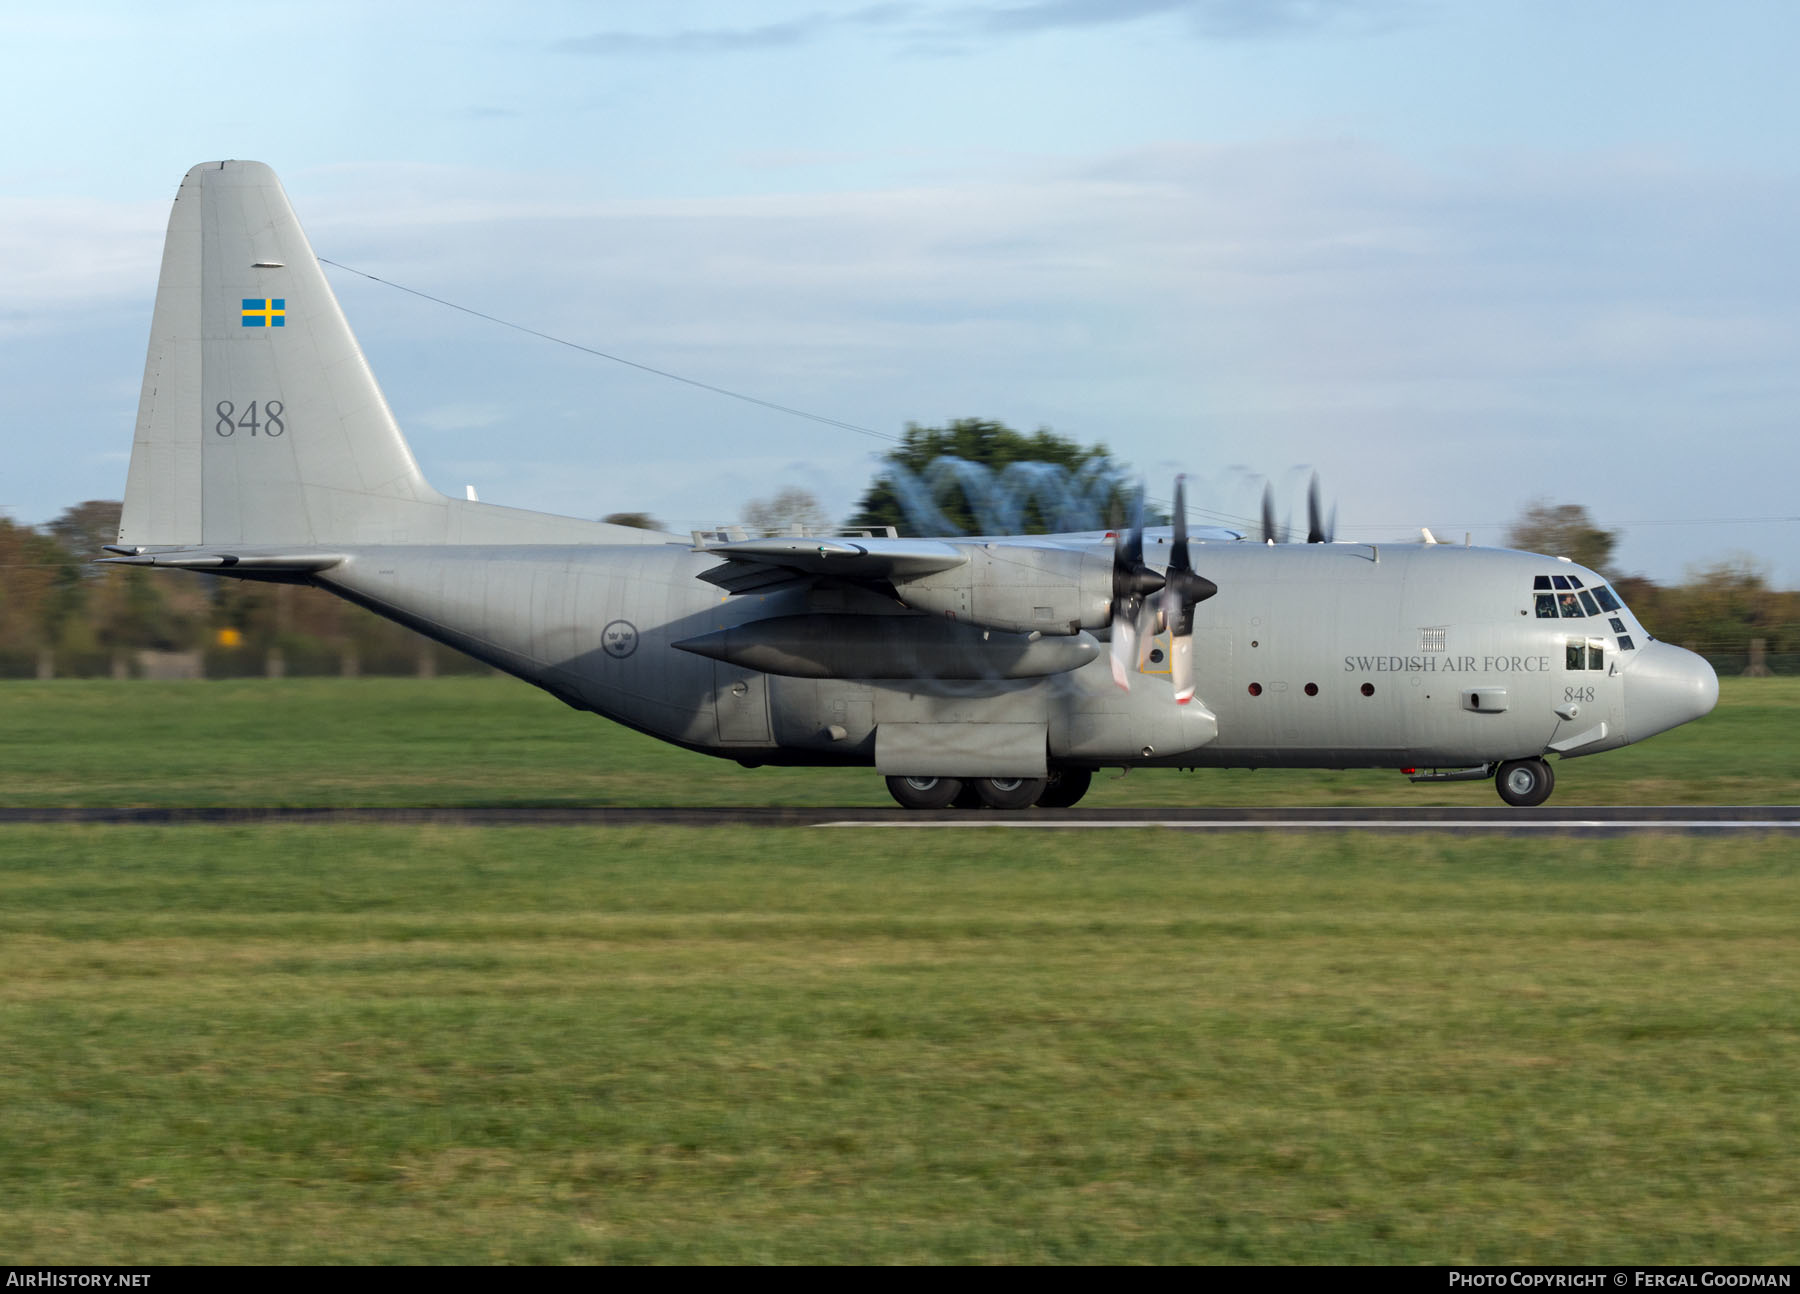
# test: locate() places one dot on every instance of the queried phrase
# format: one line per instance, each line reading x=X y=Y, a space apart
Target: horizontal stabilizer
x=228 y=563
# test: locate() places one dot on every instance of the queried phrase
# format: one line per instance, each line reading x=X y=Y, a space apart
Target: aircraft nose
x=1667 y=686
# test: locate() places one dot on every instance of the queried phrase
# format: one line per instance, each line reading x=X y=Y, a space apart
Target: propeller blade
x=1148 y=621
x=1182 y=591
x=1181 y=666
x=1268 y=514
x=1315 y=519
x=1170 y=599
x=1178 y=550
x=1124 y=647
x=1133 y=582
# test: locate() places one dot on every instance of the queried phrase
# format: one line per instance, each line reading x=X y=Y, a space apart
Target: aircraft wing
x=757 y=565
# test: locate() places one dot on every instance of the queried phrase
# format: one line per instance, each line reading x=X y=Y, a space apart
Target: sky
x=1457 y=257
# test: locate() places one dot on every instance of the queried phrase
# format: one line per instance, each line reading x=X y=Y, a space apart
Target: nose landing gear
x=1524 y=783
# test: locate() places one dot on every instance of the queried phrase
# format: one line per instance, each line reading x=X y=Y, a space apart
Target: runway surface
x=1589 y=820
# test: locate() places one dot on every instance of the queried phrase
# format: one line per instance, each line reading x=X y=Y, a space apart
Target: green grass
x=330 y=1044
x=492 y=741
x=290 y=1044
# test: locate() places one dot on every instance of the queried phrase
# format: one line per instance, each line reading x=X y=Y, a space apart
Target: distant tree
x=1722 y=605
x=790 y=506
x=1564 y=530
x=993 y=446
x=85 y=529
x=636 y=520
x=40 y=588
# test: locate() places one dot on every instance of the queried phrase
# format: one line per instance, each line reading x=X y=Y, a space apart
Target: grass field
x=494 y=741
x=322 y=1044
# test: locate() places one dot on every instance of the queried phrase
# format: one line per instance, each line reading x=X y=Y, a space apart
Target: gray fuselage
x=1336 y=656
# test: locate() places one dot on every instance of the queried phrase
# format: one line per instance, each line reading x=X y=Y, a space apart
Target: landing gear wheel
x=1067 y=785
x=1010 y=792
x=1524 y=783
x=924 y=792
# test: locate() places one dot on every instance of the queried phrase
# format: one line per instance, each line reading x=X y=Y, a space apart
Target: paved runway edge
x=1580 y=818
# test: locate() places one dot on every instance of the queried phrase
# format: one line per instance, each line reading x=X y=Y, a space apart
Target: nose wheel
x=1524 y=783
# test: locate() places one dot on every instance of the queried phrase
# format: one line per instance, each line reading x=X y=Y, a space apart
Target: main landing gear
x=1524 y=783
x=1061 y=789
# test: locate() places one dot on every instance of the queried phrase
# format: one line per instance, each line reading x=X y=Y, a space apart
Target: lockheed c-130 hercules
x=961 y=669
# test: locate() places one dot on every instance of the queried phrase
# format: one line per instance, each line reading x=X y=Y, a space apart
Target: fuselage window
x=1618 y=625
x=1625 y=643
x=1604 y=596
x=1588 y=604
x=1541 y=582
x=1596 y=655
x=1571 y=609
x=1560 y=581
x=1546 y=606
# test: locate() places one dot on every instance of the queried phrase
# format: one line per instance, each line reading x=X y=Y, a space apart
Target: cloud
x=719 y=40
x=63 y=258
x=1217 y=19
x=787 y=34
x=1443 y=344
x=948 y=29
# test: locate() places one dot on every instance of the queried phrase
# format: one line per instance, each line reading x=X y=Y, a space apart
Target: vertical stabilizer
x=260 y=422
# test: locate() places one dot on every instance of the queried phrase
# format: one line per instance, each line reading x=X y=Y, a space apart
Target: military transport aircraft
x=964 y=670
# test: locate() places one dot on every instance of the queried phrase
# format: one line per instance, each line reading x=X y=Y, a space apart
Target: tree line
x=61 y=615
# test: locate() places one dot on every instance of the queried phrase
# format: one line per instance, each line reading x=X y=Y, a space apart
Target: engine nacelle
x=1018 y=588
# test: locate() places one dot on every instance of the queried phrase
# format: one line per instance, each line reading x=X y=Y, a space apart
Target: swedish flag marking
x=265 y=312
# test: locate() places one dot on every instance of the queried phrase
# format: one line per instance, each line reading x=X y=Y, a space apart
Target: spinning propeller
x=1319 y=528
x=1144 y=601
x=1135 y=616
x=1182 y=591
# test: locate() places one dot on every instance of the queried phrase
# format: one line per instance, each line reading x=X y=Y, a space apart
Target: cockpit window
x=1571 y=601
